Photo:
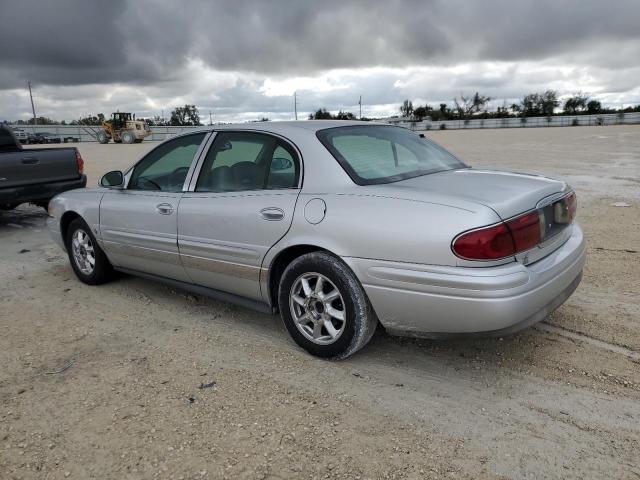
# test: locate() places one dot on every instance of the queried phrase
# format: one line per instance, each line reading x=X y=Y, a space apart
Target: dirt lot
x=117 y=381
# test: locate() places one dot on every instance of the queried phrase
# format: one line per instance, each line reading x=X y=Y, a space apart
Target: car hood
x=507 y=193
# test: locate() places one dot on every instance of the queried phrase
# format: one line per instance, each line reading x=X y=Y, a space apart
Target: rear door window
x=240 y=161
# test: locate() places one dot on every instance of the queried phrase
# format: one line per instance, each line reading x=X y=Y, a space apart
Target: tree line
x=180 y=116
x=536 y=104
x=464 y=107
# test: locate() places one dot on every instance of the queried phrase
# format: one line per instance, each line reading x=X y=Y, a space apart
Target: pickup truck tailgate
x=38 y=165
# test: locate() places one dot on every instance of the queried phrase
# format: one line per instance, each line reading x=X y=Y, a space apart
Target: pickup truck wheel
x=324 y=307
x=102 y=137
x=88 y=261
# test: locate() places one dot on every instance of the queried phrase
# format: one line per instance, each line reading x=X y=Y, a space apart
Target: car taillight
x=526 y=230
x=79 y=162
x=499 y=241
x=489 y=243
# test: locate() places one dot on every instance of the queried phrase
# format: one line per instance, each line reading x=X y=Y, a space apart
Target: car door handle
x=30 y=160
x=272 y=213
x=164 y=209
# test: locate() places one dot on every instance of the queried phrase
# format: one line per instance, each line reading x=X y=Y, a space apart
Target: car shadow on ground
x=22 y=217
x=465 y=355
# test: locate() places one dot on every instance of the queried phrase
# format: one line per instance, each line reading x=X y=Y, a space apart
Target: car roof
x=292 y=130
x=283 y=127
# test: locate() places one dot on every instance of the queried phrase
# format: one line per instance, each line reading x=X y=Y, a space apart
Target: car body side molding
x=204 y=291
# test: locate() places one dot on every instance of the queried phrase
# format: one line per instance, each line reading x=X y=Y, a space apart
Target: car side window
x=282 y=170
x=239 y=161
x=165 y=168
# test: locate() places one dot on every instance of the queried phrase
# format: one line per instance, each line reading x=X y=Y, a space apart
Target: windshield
x=374 y=154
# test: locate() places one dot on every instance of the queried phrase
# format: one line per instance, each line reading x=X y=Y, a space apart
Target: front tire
x=324 y=307
x=102 y=137
x=88 y=261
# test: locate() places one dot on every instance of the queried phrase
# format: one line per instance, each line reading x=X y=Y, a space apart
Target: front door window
x=165 y=168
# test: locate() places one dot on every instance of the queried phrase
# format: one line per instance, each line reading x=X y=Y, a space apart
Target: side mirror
x=114 y=179
x=278 y=164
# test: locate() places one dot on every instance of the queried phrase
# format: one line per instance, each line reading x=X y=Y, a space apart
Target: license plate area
x=554 y=218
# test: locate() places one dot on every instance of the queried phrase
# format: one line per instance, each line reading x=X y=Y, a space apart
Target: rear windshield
x=376 y=154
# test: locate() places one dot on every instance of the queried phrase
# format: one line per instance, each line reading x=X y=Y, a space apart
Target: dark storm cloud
x=79 y=41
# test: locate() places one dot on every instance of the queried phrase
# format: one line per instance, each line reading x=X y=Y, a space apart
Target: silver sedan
x=339 y=226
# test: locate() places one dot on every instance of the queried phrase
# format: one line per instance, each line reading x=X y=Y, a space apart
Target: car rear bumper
x=432 y=301
x=39 y=192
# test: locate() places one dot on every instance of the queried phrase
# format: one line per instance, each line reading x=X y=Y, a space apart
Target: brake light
x=489 y=243
x=526 y=230
x=79 y=162
x=501 y=240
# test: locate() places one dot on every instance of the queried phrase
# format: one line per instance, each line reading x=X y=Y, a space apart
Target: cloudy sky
x=242 y=60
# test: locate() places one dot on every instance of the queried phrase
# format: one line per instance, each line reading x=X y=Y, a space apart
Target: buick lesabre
x=338 y=226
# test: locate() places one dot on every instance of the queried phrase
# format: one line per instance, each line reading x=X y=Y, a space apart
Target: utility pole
x=295 y=104
x=210 y=120
x=360 y=103
x=33 y=109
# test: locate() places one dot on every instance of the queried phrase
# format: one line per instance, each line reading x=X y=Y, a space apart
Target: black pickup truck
x=36 y=175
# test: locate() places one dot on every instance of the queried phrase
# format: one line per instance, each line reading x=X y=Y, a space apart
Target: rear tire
x=88 y=261
x=102 y=137
x=333 y=320
x=127 y=137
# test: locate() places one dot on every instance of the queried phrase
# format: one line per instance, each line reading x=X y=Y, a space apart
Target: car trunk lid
x=507 y=193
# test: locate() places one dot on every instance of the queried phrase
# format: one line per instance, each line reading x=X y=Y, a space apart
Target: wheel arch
x=280 y=263
x=66 y=219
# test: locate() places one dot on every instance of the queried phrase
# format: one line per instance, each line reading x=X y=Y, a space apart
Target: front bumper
x=433 y=301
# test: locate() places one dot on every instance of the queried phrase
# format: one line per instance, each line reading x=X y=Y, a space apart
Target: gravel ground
x=136 y=380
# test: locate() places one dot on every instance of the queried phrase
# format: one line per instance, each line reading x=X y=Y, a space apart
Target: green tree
x=575 y=104
x=422 y=112
x=89 y=120
x=549 y=102
x=594 y=106
x=345 y=116
x=187 y=115
x=406 y=109
x=537 y=104
x=468 y=106
x=43 y=121
x=320 y=114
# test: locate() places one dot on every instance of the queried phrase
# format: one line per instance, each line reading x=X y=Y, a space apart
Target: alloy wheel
x=317 y=308
x=83 y=251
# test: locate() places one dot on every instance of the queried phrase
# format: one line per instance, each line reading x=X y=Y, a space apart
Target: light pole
x=33 y=109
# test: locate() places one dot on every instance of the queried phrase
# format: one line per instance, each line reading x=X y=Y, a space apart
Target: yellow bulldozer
x=123 y=128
